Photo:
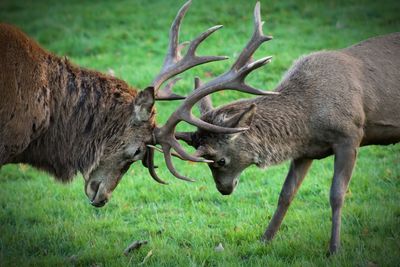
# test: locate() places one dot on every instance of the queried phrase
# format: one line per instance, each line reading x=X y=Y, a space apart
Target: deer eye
x=129 y=155
x=137 y=152
x=221 y=162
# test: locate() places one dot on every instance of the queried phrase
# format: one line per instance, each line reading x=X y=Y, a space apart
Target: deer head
x=129 y=129
x=223 y=149
x=129 y=146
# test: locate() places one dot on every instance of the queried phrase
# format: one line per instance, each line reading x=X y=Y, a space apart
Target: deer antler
x=232 y=79
x=174 y=63
x=205 y=104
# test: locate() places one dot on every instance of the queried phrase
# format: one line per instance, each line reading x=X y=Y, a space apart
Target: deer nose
x=225 y=190
x=96 y=191
x=92 y=188
x=100 y=203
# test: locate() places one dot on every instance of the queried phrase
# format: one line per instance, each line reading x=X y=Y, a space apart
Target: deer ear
x=188 y=137
x=191 y=138
x=143 y=105
x=243 y=119
x=205 y=105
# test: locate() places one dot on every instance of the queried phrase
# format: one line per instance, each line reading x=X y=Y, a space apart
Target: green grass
x=44 y=223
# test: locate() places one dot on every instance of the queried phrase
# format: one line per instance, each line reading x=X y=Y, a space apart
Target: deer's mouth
x=93 y=191
x=227 y=188
x=98 y=193
x=100 y=184
x=100 y=203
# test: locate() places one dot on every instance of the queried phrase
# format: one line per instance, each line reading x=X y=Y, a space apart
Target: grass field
x=45 y=223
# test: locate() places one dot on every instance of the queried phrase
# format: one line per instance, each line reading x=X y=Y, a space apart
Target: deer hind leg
x=345 y=158
x=297 y=171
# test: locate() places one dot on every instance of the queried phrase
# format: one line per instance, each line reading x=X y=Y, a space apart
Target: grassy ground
x=45 y=223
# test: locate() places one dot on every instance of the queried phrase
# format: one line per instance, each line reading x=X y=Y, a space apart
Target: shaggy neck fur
x=278 y=130
x=86 y=108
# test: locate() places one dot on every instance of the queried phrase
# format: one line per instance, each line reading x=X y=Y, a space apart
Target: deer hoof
x=333 y=250
x=265 y=240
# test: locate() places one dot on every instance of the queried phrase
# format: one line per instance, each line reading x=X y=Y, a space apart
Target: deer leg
x=297 y=172
x=2 y=155
x=345 y=158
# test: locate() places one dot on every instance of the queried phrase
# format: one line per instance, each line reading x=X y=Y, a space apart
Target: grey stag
x=328 y=103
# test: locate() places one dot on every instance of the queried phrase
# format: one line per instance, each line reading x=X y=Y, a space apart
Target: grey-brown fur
x=330 y=102
x=65 y=119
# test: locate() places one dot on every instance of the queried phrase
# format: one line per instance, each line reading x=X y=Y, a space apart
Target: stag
x=328 y=103
x=65 y=119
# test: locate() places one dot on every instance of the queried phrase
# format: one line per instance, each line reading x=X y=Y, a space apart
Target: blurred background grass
x=45 y=223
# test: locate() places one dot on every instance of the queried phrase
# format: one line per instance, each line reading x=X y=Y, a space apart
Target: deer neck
x=86 y=108
x=279 y=130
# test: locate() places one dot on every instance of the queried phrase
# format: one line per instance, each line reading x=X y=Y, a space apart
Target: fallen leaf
x=372 y=264
x=202 y=188
x=219 y=248
x=149 y=254
x=134 y=246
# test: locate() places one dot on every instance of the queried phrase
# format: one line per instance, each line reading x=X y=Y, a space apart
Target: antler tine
x=232 y=79
x=196 y=42
x=161 y=151
x=150 y=165
x=148 y=162
x=256 y=40
x=170 y=165
x=166 y=150
x=174 y=63
x=173 y=45
x=177 y=147
x=167 y=94
x=240 y=85
x=205 y=104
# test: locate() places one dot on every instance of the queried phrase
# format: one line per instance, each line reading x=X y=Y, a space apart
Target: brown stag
x=65 y=119
x=328 y=103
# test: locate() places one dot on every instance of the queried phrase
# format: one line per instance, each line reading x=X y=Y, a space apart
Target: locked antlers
x=232 y=79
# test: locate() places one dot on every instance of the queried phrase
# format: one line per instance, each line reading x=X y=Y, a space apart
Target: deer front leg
x=297 y=172
x=345 y=158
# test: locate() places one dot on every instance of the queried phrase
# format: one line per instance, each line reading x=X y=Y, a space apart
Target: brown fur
x=329 y=103
x=62 y=118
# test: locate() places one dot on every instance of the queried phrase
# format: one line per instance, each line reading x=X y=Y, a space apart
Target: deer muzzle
x=97 y=193
x=227 y=188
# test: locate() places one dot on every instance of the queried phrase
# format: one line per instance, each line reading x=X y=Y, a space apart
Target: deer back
x=24 y=95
